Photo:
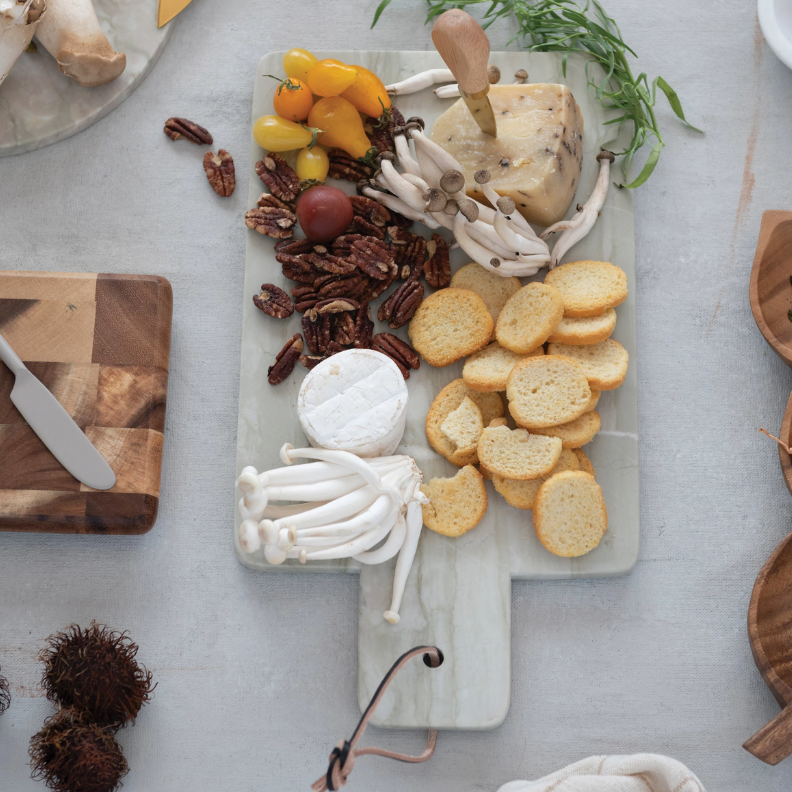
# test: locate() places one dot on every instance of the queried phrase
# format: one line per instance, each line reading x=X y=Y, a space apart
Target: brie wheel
x=354 y=401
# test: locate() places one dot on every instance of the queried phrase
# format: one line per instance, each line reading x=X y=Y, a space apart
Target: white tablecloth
x=257 y=673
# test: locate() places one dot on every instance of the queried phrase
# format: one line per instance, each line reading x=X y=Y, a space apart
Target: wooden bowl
x=770 y=611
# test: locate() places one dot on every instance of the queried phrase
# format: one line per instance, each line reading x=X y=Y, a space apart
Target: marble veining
x=458 y=595
x=39 y=105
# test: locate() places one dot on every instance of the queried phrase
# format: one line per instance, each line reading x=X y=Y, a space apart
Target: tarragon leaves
x=566 y=26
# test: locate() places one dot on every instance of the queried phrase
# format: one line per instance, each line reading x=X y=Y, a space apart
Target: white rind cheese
x=354 y=401
x=537 y=155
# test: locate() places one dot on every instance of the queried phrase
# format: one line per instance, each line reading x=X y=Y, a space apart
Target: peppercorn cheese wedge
x=537 y=156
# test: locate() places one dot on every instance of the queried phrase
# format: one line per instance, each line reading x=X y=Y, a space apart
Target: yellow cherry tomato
x=297 y=62
x=277 y=134
x=342 y=126
x=330 y=77
x=312 y=164
x=368 y=93
x=293 y=99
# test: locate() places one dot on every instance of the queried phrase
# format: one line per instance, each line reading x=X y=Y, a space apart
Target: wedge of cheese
x=537 y=155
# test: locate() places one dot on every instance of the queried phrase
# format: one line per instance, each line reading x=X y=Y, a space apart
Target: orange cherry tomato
x=368 y=93
x=293 y=99
x=329 y=77
x=342 y=125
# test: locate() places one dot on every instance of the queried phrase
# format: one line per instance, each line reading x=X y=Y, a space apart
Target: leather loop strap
x=342 y=759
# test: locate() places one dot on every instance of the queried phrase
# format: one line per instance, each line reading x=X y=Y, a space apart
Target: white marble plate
x=459 y=592
x=39 y=105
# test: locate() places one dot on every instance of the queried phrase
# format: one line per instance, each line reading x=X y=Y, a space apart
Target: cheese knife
x=55 y=426
x=169 y=9
x=464 y=46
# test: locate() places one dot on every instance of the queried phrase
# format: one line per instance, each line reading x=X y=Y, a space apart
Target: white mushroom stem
x=420 y=81
x=318 y=490
x=357 y=545
x=518 y=222
x=71 y=33
x=405 y=560
x=410 y=193
x=396 y=205
x=405 y=156
x=447 y=91
x=18 y=22
x=362 y=521
x=338 y=509
x=389 y=548
x=417 y=181
x=579 y=226
x=516 y=242
x=439 y=155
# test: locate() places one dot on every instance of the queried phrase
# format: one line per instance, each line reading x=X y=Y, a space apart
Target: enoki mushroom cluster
x=341 y=506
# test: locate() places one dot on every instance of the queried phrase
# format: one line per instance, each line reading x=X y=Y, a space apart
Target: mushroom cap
x=469 y=209
x=608 y=155
x=452 y=181
x=481 y=176
x=417 y=120
x=493 y=74
x=506 y=205
x=451 y=208
x=436 y=200
x=521 y=74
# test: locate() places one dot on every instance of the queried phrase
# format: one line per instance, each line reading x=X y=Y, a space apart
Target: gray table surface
x=258 y=673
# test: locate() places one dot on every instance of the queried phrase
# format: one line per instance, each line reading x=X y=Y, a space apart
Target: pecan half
x=344 y=166
x=268 y=199
x=409 y=251
x=219 y=170
x=295 y=269
x=370 y=210
x=285 y=360
x=378 y=287
x=273 y=301
x=336 y=305
x=343 y=329
x=373 y=257
x=271 y=221
x=400 y=352
x=311 y=361
x=279 y=176
x=364 y=327
x=380 y=137
x=400 y=220
x=437 y=267
x=304 y=297
x=289 y=247
x=362 y=226
x=181 y=128
x=399 y=308
x=322 y=259
x=342 y=245
x=317 y=331
x=352 y=285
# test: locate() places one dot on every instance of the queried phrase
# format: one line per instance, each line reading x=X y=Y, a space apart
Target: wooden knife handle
x=464 y=46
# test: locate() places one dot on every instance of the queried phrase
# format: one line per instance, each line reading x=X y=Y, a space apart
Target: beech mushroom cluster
x=431 y=190
x=342 y=506
x=68 y=29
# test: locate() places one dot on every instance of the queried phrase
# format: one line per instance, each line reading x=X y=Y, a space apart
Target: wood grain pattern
x=770 y=609
x=101 y=344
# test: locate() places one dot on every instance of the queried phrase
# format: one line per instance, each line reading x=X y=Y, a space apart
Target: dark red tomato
x=324 y=212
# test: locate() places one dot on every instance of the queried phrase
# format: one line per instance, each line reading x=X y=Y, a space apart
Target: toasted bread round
x=450 y=324
x=589 y=288
x=569 y=514
x=515 y=454
x=585 y=462
x=586 y=330
x=605 y=364
x=521 y=494
x=455 y=504
x=595 y=396
x=490 y=404
x=464 y=426
x=547 y=391
x=529 y=318
x=575 y=433
x=489 y=369
x=493 y=289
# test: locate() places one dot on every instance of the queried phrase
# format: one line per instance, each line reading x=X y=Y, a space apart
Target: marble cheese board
x=458 y=595
x=39 y=105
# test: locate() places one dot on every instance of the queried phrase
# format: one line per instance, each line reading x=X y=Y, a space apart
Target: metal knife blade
x=481 y=109
x=55 y=426
x=169 y=9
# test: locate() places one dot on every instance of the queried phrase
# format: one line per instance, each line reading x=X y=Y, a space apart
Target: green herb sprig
x=566 y=26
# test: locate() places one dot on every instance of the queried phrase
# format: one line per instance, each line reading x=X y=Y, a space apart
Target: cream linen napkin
x=636 y=773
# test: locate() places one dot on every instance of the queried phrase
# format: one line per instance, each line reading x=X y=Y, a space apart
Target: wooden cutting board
x=101 y=344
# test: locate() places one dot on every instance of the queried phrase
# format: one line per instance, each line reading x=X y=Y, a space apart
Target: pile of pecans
x=335 y=282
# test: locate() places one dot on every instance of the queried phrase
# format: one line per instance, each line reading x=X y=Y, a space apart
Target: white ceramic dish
x=458 y=595
x=39 y=105
x=775 y=19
